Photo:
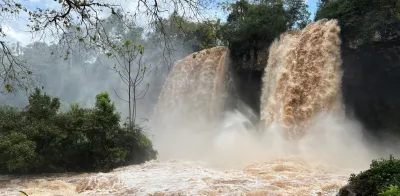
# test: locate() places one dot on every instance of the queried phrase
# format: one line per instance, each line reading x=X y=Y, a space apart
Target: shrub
x=391 y=191
x=41 y=139
x=383 y=178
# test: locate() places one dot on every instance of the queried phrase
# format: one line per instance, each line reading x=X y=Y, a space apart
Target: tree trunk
x=129 y=94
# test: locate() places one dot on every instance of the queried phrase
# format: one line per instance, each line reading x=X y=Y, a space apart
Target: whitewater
x=304 y=146
x=275 y=168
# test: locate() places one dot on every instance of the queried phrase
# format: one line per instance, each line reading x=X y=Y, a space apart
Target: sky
x=312 y=7
x=16 y=29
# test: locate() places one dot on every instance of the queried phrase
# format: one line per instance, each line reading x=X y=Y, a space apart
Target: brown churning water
x=204 y=150
x=196 y=87
x=302 y=77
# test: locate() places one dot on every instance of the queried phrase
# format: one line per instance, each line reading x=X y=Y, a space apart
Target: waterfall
x=302 y=77
x=196 y=89
x=202 y=152
x=192 y=103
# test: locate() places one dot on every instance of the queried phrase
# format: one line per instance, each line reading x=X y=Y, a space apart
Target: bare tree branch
x=80 y=21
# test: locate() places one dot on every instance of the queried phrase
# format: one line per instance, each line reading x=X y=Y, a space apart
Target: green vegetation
x=362 y=21
x=390 y=191
x=38 y=138
x=251 y=27
x=71 y=22
x=398 y=10
x=196 y=35
x=23 y=193
x=383 y=178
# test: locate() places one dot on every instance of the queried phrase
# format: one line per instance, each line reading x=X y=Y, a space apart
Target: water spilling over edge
x=227 y=157
x=302 y=78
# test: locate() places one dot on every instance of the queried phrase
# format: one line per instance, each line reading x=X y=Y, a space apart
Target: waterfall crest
x=196 y=88
x=302 y=77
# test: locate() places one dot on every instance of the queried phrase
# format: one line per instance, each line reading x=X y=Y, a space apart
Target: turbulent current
x=206 y=147
x=289 y=176
x=196 y=88
x=302 y=77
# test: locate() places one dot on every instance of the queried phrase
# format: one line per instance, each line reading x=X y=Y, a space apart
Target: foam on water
x=285 y=176
x=229 y=155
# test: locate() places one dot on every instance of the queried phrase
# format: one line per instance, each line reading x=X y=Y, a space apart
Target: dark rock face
x=247 y=75
x=248 y=85
x=346 y=191
x=371 y=84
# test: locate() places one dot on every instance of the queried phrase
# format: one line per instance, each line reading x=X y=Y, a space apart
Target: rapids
x=284 y=176
x=205 y=149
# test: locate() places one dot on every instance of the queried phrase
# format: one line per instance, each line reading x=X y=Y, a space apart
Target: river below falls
x=280 y=176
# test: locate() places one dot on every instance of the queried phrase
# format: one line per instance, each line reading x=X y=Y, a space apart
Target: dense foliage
x=391 y=191
x=250 y=27
x=195 y=35
x=383 y=178
x=363 y=20
x=38 y=138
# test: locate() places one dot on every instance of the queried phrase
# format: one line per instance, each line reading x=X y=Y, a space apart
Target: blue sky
x=312 y=7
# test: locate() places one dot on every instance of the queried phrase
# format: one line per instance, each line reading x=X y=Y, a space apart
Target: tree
x=42 y=106
x=398 y=9
x=251 y=26
x=321 y=3
x=362 y=21
x=132 y=72
x=195 y=35
x=381 y=178
x=297 y=13
x=17 y=153
x=82 y=139
x=74 y=21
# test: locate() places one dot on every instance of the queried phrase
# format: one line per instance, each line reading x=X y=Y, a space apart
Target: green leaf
x=8 y=88
x=127 y=42
x=109 y=54
x=24 y=193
